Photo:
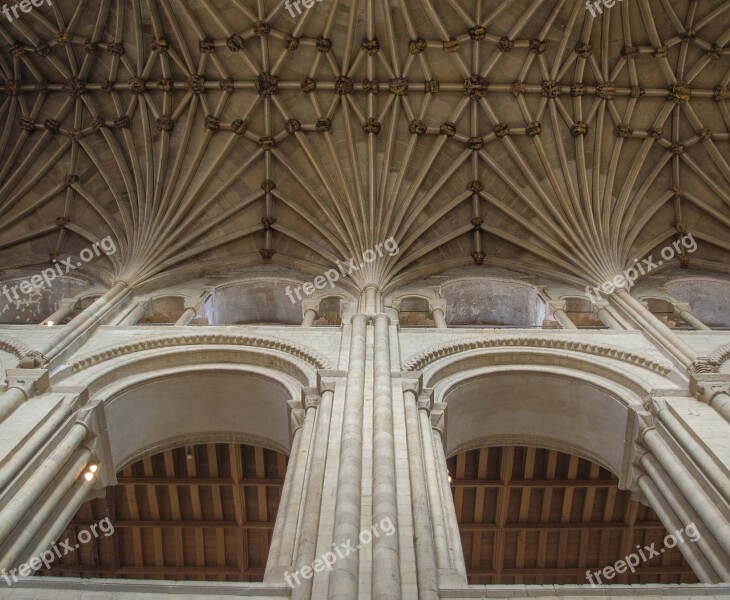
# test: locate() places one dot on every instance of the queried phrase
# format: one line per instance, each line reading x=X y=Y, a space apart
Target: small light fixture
x=93 y=468
x=88 y=476
x=50 y=323
x=449 y=475
x=189 y=453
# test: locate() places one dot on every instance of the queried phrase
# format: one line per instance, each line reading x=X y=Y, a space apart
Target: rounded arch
x=179 y=405
x=98 y=369
x=552 y=408
x=261 y=300
x=568 y=397
x=706 y=295
x=492 y=301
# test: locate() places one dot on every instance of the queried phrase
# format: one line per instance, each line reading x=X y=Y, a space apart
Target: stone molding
x=316 y=360
x=711 y=363
x=13 y=346
x=431 y=355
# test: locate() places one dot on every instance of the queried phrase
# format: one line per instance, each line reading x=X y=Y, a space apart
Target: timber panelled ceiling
x=536 y=516
x=526 y=515
x=209 y=517
x=212 y=136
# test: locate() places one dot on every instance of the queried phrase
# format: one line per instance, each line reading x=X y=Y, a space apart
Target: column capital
x=360 y=316
x=296 y=416
x=310 y=305
x=708 y=392
x=425 y=400
x=380 y=316
x=327 y=380
x=413 y=382
x=310 y=398
x=438 y=417
x=33 y=360
x=437 y=305
x=28 y=381
x=707 y=383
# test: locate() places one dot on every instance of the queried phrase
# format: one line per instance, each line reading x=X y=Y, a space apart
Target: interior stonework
x=452 y=272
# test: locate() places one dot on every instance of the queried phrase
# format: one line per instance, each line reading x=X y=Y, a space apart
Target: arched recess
x=195 y=512
x=579 y=400
x=163 y=310
x=581 y=312
x=26 y=300
x=208 y=403
x=707 y=297
x=551 y=408
x=263 y=301
x=224 y=389
x=483 y=301
x=529 y=515
x=414 y=311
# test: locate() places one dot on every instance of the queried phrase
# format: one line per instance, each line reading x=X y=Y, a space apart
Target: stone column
x=283 y=541
x=718 y=397
x=700 y=565
x=21 y=456
x=28 y=494
x=689 y=487
x=65 y=308
x=312 y=501
x=456 y=552
x=187 y=316
x=50 y=501
x=439 y=316
x=426 y=570
x=83 y=322
x=434 y=494
x=561 y=316
x=696 y=452
x=134 y=315
x=386 y=581
x=683 y=312
x=344 y=577
x=22 y=385
x=669 y=489
x=72 y=501
x=654 y=327
x=370 y=300
x=310 y=313
x=604 y=316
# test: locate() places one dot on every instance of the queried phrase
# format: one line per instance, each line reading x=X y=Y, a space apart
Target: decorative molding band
x=713 y=362
x=13 y=346
x=720 y=355
x=431 y=355
x=314 y=359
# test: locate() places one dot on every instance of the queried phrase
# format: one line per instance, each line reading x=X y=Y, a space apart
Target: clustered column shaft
x=344 y=577
x=423 y=531
x=386 y=552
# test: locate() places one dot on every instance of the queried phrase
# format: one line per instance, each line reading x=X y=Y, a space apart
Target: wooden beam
x=200 y=481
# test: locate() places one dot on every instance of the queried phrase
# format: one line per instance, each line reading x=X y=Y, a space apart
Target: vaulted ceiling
x=211 y=136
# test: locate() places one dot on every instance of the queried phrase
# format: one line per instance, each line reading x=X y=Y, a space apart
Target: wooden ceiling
x=526 y=515
x=535 y=516
x=208 y=518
